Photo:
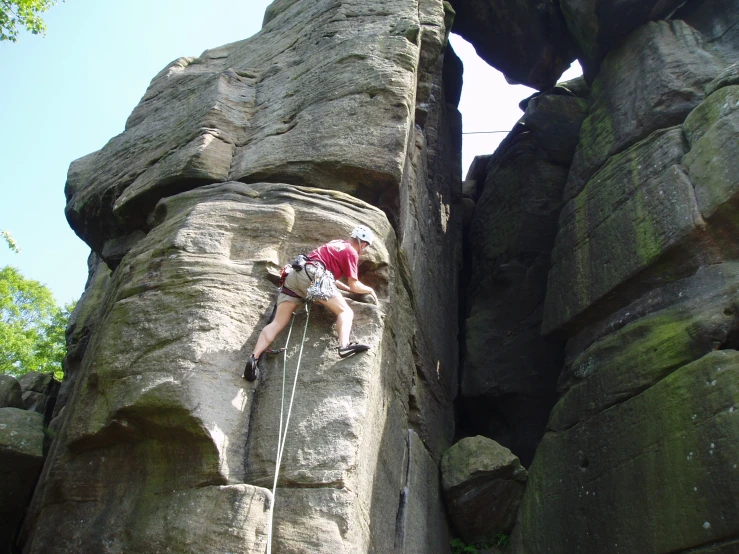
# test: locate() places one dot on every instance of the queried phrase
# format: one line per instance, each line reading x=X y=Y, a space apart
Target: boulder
x=637 y=216
x=10 y=392
x=629 y=103
x=598 y=26
x=40 y=391
x=483 y=483
x=36 y=382
x=21 y=458
x=649 y=456
x=526 y=41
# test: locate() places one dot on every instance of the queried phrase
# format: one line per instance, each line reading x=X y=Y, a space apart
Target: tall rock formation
x=233 y=162
x=598 y=296
x=509 y=375
x=640 y=451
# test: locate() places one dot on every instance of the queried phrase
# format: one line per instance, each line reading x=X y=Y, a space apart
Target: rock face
x=40 y=391
x=629 y=104
x=183 y=406
x=21 y=457
x=510 y=371
x=333 y=115
x=643 y=287
x=599 y=26
x=527 y=41
x=10 y=392
x=263 y=109
x=598 y=292
x=483 y=484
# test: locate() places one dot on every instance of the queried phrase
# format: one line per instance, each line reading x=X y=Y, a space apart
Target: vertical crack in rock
x=401 y=522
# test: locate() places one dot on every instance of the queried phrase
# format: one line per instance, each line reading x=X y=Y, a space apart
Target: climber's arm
x=342 y=286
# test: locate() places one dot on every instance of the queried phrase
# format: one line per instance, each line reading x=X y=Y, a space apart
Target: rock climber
x=316 y=277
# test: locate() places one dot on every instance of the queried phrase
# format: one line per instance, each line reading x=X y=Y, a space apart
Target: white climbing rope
x=282 y=435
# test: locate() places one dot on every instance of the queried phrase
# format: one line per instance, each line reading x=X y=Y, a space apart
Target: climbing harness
x=282 y=435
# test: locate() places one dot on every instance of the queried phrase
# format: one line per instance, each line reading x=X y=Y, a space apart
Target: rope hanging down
x=283 y=435
x=483 y=132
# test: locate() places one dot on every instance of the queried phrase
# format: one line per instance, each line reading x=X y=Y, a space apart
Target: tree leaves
x=32 y=326
x=11 y=241
x=22 y=13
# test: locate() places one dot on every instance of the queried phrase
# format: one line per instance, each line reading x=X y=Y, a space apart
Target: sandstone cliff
x=594 y=273
x=333 y=115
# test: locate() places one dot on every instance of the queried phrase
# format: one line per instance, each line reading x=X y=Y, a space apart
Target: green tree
x=22 y=13
x=32 y=326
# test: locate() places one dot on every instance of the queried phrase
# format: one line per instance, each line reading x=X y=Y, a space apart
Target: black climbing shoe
x=351 y=349
x=252 y=369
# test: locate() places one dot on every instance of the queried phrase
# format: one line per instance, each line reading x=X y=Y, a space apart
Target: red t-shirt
x=339 y=257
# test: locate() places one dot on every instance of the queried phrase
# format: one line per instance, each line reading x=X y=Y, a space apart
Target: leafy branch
x=15 y=14
x=10 y=241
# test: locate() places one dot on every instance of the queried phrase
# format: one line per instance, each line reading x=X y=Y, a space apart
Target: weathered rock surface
x=526 y=41
x=598 y=26
x=555 y=122
x=510 y=371
x=10 y=392
x=483 y=483
x=717 y=21
x=36 y=382
x=40 y=391
x=510 y=239
x=21 y=457
x=422 y=525
x=638 y=212
x=699 y=319
x=674 y=445
x=350 y=99
x=193 y=283
x=342 y=112
x=713 y=163
x=211 y=518
x=263 y=109
x=654 y=213
x=643 y=284
x=630 y=103
x=82 y=324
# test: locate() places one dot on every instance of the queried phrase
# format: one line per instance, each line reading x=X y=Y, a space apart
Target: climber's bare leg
x=269 y=333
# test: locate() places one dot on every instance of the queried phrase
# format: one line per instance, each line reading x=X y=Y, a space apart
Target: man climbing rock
x=316 y=278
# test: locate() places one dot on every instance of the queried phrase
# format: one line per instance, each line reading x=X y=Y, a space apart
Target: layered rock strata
x=333 y=115
x=510 y=371
x=640 y=451
x=602 y=261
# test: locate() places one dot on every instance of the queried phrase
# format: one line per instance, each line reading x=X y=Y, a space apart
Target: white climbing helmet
x=363 y=234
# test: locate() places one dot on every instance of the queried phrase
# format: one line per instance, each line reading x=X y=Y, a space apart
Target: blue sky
x=66 y=95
